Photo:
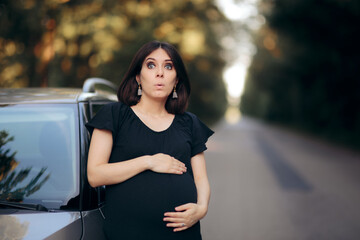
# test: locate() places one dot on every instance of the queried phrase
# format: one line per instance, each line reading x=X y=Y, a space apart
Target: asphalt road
x=272 y=184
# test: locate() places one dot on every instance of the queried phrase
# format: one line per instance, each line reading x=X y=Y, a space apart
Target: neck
x=151 y=106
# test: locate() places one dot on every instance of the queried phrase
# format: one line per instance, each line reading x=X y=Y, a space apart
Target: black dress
x=135 y=208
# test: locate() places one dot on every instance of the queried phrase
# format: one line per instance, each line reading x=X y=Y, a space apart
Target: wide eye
x=169 y=66
x=150 y=65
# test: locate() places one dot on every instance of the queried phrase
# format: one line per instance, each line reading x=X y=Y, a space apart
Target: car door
x=93 y=198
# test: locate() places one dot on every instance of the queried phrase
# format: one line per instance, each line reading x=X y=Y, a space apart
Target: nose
x=160 y=73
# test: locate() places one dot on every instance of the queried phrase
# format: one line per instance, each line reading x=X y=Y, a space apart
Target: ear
x=138 y=79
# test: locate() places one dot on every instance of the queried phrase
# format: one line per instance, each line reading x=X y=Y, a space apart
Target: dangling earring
x=139 y=92
x=174 y=93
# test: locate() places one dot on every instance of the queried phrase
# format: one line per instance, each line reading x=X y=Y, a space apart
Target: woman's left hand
x=185 y=216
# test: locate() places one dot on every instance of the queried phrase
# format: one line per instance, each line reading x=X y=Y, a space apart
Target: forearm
x=112 y=173
x=203 y=195
x=201 y=182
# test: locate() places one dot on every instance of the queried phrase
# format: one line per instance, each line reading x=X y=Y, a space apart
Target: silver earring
x=174 y=93
x=139 y=92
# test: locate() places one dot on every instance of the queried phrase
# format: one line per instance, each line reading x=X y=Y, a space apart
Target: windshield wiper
x=27 y=206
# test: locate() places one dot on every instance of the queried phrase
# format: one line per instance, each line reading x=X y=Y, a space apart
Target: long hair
x=127 y=92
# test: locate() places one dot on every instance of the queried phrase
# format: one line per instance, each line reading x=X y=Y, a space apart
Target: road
x=269 y=183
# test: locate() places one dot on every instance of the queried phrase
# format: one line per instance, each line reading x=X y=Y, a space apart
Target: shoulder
x=116 y=111
x=110 y=117
x=187 y=118
x=113 y=108
x=191 y=120
x=115 y=105
x=197 y=125
x=191 y=117
x=198 y=131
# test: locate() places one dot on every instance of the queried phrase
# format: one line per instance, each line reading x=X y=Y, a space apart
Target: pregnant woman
x=149 y=152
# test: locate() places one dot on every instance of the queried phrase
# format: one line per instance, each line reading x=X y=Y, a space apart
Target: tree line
x=61 y=43
x=305 y=73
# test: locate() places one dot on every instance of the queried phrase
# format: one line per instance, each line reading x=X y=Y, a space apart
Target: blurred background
x=289 y=62
x=278 y=80
x=60 y=43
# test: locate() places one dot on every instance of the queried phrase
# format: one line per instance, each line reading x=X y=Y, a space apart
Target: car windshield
x=39 y=154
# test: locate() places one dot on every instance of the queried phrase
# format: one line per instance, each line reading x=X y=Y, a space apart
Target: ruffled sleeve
x=107 y=118
x=200 y=134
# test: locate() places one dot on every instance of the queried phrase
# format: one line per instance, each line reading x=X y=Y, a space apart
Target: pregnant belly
x=148 y=195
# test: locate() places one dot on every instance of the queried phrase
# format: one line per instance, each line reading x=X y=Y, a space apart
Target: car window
x=39 y=154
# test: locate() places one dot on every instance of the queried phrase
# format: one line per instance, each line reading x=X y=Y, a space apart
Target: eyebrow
x=166 y=60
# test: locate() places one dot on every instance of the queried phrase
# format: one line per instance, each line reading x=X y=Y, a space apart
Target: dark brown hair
x=127 y=92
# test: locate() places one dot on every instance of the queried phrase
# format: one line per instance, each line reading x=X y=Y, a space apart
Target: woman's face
x=157 y=76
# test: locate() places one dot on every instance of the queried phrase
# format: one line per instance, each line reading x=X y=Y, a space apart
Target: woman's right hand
x=163 y=163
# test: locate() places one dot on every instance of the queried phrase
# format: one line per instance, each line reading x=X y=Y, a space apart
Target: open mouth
x=159 y=86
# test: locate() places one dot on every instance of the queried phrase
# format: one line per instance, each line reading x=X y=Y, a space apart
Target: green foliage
x=10 y=178
x=61 y=43
x=7 y=159
x=305 y=72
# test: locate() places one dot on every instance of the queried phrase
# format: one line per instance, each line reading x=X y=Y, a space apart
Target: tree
x=305 y=71
x=10 y=178
x=66 y=42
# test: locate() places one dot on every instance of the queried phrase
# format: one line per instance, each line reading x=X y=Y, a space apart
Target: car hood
x=25 y=224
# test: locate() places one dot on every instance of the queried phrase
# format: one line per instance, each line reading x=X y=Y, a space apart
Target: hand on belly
x=185 y=216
